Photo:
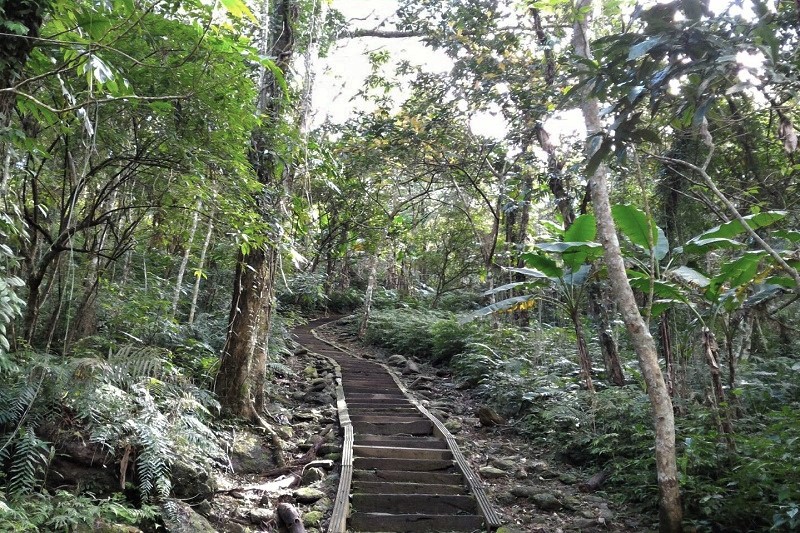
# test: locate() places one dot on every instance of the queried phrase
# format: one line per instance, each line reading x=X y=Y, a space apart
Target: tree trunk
x=200 y=265
x=242 y=371
x=711 y=351
x=665 y=337
x=371 y=282
x=583 y=351
x=608 y=346
x=176 y=297
x=670 y=511
x=234 y=380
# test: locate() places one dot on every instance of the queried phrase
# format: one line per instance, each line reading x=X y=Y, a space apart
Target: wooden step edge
x=341 y=506
x=485 y=508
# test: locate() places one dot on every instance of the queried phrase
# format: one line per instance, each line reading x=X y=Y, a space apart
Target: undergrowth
x=532 y=378
x=132 y=402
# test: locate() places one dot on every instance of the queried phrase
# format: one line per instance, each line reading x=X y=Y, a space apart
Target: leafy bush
x=132 y=400
x=65 y=511
x=345 y=301
x=304 y=291
x=404 y=331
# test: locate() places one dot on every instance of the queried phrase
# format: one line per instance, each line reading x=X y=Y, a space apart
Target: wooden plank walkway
x=401 y=468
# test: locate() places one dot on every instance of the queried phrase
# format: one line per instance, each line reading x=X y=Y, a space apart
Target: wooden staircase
x=401 y=469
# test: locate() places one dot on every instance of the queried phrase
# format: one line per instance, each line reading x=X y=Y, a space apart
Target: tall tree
x=670 y=510
x=242 y=372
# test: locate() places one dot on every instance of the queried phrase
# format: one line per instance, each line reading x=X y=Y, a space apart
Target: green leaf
x=635 y=225
x=239 y=9
x=563 y=247
x=506 y=287
x=690 y=276
x=661 y=289
x=543 y=264
x=638 y=50
x=741 y=270
x=584 y=228
x=500 y=306
x=734 y=227
x=701 y=246
x=791 y=236
x=530 y=272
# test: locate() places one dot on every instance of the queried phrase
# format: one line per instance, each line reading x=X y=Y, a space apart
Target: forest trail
x=529 y=489
x=401 y=465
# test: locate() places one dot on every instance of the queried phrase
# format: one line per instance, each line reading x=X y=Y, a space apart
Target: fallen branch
x=310 y=455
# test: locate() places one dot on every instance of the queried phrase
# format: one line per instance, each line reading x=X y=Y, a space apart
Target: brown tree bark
x=670 y=511
x=242 y=371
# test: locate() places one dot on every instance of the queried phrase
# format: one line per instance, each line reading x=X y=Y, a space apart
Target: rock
x=312 y=518
x=454 y=425
x=312 y=475
x=248 y=454
x=584 y=523
x=179 y=517
x=323 y=504
x=411 y=368
x=307 y=495
x=546 y=502
x=524 y=491
x=306 y=416
x=101 y=526
x=509 y=529
x=505 y=498
x=259 y=515
x=397 y=360
x=191 y=482
x=490 y=472
x=310 y=372
x=439 y=414
x=521 y=474
x=421 y=382
x=489 y=417
x=329 y=448
x=318 y=384
x=503 y=464
x=300 y=350
x=572 y=503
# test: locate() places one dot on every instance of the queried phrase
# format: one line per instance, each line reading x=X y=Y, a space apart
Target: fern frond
x=31 y=455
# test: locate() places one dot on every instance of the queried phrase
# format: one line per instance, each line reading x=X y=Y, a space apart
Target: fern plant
x=133 y=402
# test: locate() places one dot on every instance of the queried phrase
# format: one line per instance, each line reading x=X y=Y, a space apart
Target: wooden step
x=401 y=442
x=405 y=476
x=386 y=419
x=415 y=465
x=433 y=504
x=419 y=427
x=382 y=487
x=401 y=453
x=414 y=523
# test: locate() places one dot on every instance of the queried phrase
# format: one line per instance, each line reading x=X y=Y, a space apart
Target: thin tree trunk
x=584 y=358
x=608 y=346
x=670 y=511
x=711 y=351
x=199 y=277
x=371 y=282
x=665 y=337
x=176 y=297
